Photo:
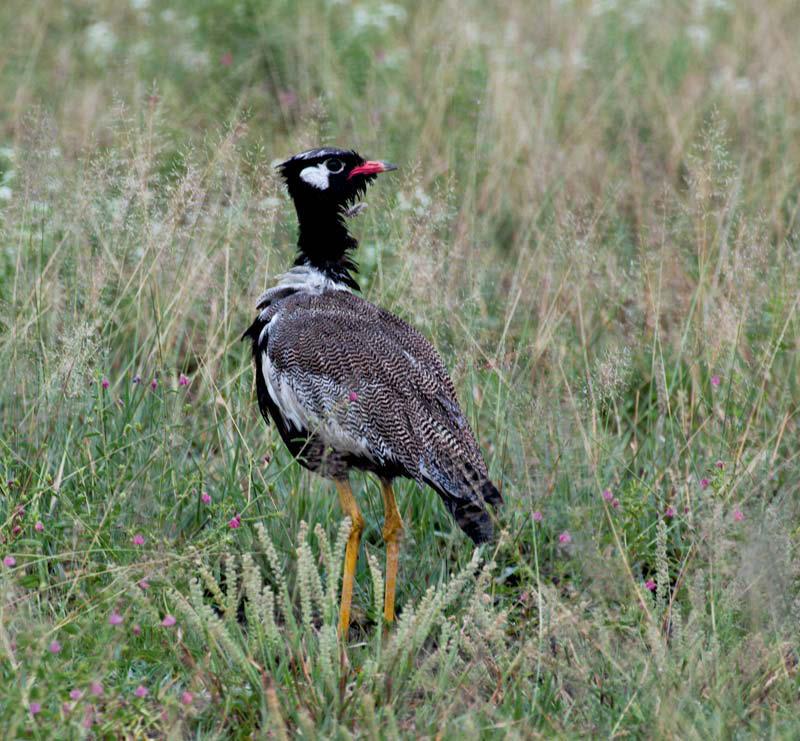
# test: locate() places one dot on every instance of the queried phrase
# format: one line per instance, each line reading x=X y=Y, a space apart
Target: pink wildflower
x=615 y=503
x=738 y=515
x=565 y=537
x=35 y=708
x=137 y=629
x=137 y=378
x=10 y=561
x=704 y=483
x=39 y=526
x=287 y=98
x=144 y=584
x=96 y=688
x=183 y=380
x=115 y=618
x=537 y=516
x=715 y=380
x=235 y=522
x=608 y=496
x=226 y=60
x=16 y=530
x=353 y=396
x=187 y=698
x=168 y=621
x=105 y=383
x=720 y=464
x=669 y=512
x=141 y=691
x=75 y=694
x=154 y=384
x=138 y=539
x=54 y=647
x=651 y=585
x=205 y=498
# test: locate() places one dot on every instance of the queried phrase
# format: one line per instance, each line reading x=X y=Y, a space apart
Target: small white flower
x=578 y=59
x=191 y=57
x=698 y=35
x=379 y=17
x=422 y=197
x=141 y=48
x=601 y=7
x=100 y=38
x=394 y=11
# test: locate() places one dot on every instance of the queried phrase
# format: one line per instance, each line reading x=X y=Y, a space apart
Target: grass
x=595 y=221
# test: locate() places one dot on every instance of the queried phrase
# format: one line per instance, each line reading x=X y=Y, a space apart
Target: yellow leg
x=392 y=533
x=350 y=508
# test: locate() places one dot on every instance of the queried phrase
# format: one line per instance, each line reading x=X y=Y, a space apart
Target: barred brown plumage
x=351 y=385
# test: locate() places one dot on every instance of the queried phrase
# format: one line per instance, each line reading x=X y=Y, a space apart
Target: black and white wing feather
x=353 y=385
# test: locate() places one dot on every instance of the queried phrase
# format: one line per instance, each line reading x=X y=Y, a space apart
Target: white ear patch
x=316 y=176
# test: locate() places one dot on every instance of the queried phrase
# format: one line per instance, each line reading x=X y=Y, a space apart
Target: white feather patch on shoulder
x=316 y=176
x=307 y=278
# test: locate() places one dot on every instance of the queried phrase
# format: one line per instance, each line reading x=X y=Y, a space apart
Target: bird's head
x=325 y=185
x=329 y=179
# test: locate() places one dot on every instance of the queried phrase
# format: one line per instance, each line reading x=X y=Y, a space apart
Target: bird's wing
x=366 y=382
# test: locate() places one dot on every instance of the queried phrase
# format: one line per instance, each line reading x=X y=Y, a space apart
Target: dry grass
x=594 y=220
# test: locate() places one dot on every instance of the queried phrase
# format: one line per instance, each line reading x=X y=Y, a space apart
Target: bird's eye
x=333 y=165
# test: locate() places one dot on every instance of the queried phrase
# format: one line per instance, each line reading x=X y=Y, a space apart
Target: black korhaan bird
x=350 y=385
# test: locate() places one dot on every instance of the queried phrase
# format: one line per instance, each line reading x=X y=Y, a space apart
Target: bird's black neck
x=325 y=243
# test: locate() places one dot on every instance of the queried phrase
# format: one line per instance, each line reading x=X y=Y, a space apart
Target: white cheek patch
x=316 y=176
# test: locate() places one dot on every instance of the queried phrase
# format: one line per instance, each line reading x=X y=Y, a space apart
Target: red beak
x=371 y=167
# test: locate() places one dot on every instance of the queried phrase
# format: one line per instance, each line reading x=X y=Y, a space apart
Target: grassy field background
x=596 y=222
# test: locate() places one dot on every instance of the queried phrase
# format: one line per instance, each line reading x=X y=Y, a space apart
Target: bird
x=351 y=386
